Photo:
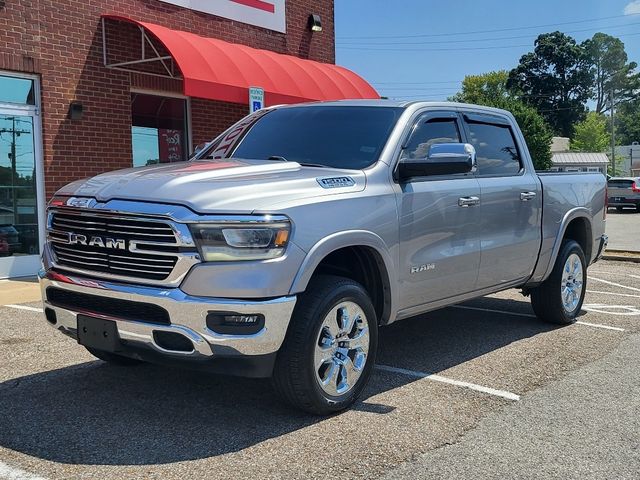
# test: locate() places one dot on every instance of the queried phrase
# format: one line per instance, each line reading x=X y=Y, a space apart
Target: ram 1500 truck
x=283 y=245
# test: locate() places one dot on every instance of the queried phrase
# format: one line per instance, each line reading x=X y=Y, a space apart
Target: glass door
x=20 y=223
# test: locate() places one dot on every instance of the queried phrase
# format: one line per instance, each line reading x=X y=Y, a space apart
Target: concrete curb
x=622 y=256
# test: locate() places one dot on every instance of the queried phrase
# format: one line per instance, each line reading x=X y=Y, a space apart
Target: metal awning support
x=166 y=60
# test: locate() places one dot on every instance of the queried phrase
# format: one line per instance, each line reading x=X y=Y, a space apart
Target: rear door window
x=496 y=150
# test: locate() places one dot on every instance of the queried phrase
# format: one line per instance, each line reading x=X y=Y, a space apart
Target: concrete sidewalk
x=19 y=290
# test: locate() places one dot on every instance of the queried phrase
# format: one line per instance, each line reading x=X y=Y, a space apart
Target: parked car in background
x=624 y=192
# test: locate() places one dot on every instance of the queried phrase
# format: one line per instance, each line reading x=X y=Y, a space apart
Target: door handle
x=468 y=201
x=526 y=196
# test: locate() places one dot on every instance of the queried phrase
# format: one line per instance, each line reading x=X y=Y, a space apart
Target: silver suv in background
x=284 y=246
x=624 y=192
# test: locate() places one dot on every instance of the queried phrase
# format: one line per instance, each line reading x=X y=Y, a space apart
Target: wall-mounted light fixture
x=75 y=110
x=315 y=24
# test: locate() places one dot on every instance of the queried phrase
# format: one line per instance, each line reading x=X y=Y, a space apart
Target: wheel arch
x=576 y=225
x=357 y=254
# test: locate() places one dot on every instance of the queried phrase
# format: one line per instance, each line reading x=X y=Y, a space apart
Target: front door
x=439 y=241
x=20 y=167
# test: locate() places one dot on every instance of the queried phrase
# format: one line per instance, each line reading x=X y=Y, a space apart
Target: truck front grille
x=117 y=245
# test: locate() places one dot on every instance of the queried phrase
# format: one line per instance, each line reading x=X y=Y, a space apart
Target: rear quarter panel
x=567 y=196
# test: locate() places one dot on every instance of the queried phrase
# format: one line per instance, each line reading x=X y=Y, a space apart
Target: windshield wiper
x=312 y=165
x=304 y=164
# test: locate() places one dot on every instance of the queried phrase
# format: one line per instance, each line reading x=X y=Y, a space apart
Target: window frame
x=495 y=121
x=423 y=117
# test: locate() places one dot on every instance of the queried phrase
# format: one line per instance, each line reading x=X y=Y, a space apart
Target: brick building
x=91 y=86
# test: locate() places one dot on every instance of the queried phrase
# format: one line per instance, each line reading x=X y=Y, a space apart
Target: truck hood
x=219 y=186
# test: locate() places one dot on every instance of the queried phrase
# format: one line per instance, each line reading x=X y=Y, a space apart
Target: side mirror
x=443 y=159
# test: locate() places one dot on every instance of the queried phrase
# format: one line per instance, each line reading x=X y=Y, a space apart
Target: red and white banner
x=263 y=13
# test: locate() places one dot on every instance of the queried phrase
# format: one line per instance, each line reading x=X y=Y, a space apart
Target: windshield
x=341 y=137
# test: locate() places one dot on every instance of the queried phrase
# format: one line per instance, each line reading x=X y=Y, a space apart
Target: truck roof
x=401 y=104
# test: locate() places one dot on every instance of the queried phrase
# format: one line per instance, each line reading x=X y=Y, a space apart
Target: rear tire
x=113 y=359
x=559 y=298
x=329 y=352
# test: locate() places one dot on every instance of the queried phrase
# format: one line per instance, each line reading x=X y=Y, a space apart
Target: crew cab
x=284 y=245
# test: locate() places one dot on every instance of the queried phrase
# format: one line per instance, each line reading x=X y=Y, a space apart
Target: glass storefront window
x=159 y=129
x=16 y=90
x=18 y=200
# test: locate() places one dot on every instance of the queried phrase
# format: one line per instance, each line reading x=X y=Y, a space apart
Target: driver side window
x=430 y=132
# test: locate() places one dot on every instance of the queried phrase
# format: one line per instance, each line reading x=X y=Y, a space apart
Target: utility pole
x=613 y=135
x=12 y=155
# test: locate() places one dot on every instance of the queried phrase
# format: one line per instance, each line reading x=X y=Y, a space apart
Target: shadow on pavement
x=94 y=413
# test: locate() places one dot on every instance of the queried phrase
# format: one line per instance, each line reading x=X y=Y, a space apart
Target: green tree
x=607 y=60
x=490 y=89
x=591 y=134
x=628 y=123
x=555 y=79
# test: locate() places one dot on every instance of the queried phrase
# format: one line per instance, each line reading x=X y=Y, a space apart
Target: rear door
x=439 y=242
x=511 y=202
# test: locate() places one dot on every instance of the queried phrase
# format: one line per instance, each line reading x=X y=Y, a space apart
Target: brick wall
x=61 y=41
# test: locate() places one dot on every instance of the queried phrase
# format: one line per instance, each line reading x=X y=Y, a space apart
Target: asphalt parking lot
x=477 y=388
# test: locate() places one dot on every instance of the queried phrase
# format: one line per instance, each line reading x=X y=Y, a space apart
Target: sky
x=422 y=49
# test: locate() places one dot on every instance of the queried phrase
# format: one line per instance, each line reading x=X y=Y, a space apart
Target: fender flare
x=349 y=238
x=573 y=214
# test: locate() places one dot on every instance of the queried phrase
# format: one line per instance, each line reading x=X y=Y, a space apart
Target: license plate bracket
x=98 y=333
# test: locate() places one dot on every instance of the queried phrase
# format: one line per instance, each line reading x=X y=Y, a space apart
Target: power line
x=483 y=39
x=428 y=35
x=461 y=49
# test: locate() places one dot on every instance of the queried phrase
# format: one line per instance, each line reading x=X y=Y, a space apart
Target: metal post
x=613 y=135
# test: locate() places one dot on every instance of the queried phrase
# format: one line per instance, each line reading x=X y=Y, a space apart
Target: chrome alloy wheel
x=572 y=283
x=341 y=348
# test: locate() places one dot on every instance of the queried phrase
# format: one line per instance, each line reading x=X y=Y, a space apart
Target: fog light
x=232 y=323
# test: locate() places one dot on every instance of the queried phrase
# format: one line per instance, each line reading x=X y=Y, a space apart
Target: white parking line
x=12 y=473
x=586 y=324
x=613 y=284
x=25 y=307
x=597 y=325
x=615 y=293
x=449 y=381
x=634 y=276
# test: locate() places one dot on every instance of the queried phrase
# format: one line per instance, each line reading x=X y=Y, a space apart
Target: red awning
x=219 y=70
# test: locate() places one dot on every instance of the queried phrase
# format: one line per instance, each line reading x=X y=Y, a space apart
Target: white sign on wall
x=256 y=99
x=263 y=13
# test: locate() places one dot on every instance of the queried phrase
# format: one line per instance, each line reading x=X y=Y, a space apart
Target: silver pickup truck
x=285 y=244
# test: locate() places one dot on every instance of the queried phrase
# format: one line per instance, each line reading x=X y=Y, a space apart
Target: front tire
x=329 y=351
x=559 y=298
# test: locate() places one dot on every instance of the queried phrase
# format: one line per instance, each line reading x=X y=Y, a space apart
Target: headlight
x=241 y=241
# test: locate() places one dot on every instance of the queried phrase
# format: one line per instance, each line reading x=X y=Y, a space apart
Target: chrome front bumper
x=187 y=316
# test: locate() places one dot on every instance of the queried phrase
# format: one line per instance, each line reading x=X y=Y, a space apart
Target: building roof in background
x=579 y=158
